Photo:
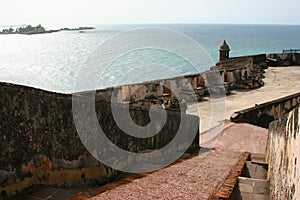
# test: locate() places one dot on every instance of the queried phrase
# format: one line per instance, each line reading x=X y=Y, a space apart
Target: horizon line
x=160 y=23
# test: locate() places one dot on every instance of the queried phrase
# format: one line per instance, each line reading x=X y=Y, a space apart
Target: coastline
x=43 y=31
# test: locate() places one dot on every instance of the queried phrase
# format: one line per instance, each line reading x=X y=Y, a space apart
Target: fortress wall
x=39 y=141
x=239 y=72
x=242 y=61
x=40 y=144
x=244 y=72
x=283 y=156
x=285 y=59
x=263 y=114
x=174 y=87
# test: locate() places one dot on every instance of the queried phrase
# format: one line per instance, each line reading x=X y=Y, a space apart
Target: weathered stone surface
x=284 y=59
x=244 y=72
x=250 y=188
x=283 y=156
x=246 y=188
x=7 y=177
x=40 y=144
x=255 y=170
x=263 y=114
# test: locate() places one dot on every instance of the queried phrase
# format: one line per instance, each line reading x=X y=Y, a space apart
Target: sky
x=60 y=13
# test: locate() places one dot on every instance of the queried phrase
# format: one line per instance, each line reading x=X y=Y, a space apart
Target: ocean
x=53 y=61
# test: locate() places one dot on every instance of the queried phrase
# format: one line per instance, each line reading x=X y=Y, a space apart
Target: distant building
x=244 y=72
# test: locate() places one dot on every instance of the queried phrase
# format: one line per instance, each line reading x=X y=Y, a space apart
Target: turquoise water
x=52 y=61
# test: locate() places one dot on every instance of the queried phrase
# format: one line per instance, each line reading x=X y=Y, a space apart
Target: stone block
x=261 y=197
x=261 y=184
x=247 y=188
x=261 y=190
x=245 y=180
x=247 y=196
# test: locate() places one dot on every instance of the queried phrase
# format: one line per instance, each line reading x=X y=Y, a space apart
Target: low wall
x=245 y=72
x=185 y=87
x=251 y=188
x=242 y=61
x=40 y=144
x=239 y=72
x=263 y=114
x=283 y=156
x=253 y=183
x=284 y=59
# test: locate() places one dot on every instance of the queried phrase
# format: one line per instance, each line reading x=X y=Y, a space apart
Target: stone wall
x=184 y=87
x=253 y=183
x=283 y=156
x=244 y=72
x=263 y=114
x=40 y=144
x=242 y=62
x=284 y=59
x=251 y=188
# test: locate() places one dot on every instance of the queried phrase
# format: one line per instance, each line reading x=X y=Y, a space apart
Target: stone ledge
x=225 y=189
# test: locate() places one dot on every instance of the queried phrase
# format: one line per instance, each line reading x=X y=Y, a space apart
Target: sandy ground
x=279 y=82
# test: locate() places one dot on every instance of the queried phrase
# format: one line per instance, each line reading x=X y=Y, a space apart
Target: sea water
x=53 y=61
